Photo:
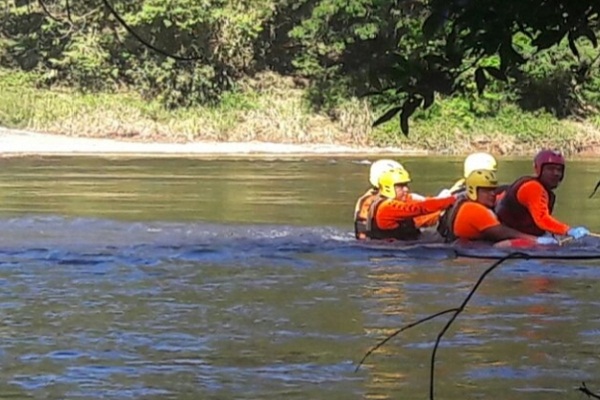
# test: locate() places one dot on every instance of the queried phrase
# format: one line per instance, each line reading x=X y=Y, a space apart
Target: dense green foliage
x=407 y=53
x=82 y=44
x=542 y=56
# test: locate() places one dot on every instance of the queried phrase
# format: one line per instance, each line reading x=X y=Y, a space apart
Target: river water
x=240 y=279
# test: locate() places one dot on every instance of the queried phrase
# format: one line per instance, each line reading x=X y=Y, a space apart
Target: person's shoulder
x=369 y=193
x=531 y=184
x=384 y=202
x=530 y=180
x=473 y=209
x=473 y=205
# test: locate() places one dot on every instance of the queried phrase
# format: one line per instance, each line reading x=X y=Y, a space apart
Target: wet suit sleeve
x=533 y=196
x=391 y=211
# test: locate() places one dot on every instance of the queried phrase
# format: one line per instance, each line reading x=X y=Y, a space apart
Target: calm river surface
x=240 y=279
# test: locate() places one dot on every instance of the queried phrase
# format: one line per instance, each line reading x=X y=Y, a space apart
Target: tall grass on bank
x=267 y=109
x=449 y=128
x=274 y=109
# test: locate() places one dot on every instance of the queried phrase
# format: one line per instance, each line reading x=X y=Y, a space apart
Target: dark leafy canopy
x=462 y=35
x=188 y=52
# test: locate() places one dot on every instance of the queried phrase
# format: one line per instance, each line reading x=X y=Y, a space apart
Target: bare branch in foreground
x=583 y=389
x=461 y=308
x=146 y=43
x=595 y=189
x=384 y=341
x=458 y=310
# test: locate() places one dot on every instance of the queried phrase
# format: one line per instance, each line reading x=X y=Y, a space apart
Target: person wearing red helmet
x=528 y=203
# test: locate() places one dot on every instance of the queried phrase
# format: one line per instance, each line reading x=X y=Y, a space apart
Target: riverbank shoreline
x=25 y=143
x=268 y=116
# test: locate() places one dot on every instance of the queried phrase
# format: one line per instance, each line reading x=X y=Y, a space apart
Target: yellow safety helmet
x=379 y=167
x=479 y=161
x=480 y=178
x=389 y=179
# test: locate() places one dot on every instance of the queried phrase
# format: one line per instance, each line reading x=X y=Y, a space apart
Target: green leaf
x=435 y=60
x=548 y=39
x=387 y=116
x=411 y=105
x=428 y=98
x=408 y=109
x=572 y=45
x=496 y=73
x=588 y=33
x=508 y=56
x=480 y=80
x=404 y=123
x=432 y=24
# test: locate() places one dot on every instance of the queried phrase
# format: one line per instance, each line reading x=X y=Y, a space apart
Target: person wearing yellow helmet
x=472 y=217
x=474 y=161
x=361 y=209
x=379 y=167
x=392 y=214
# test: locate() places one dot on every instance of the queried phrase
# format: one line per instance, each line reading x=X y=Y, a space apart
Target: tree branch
x=587 y=392
x=142 y=40
x=412 y=324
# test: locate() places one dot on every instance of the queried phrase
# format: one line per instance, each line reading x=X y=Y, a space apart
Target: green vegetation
x=294 y=71
x=496 y=40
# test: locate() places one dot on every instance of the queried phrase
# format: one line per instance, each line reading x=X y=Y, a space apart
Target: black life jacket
x=446 y=224
x=513 y=214
x=460 y=191
x=406 y=229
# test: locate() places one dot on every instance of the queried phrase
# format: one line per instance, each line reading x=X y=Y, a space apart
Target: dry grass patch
x=272 y=108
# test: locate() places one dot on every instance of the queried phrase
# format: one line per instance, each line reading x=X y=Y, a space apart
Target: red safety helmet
x=547 y=157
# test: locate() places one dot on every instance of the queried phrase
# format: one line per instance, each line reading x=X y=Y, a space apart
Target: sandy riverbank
x=22 y=143
x=26 y=143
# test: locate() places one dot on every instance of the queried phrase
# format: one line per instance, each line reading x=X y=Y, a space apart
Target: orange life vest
x=361 y=213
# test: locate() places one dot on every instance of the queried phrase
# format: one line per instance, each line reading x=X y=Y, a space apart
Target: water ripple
x=100 y=309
